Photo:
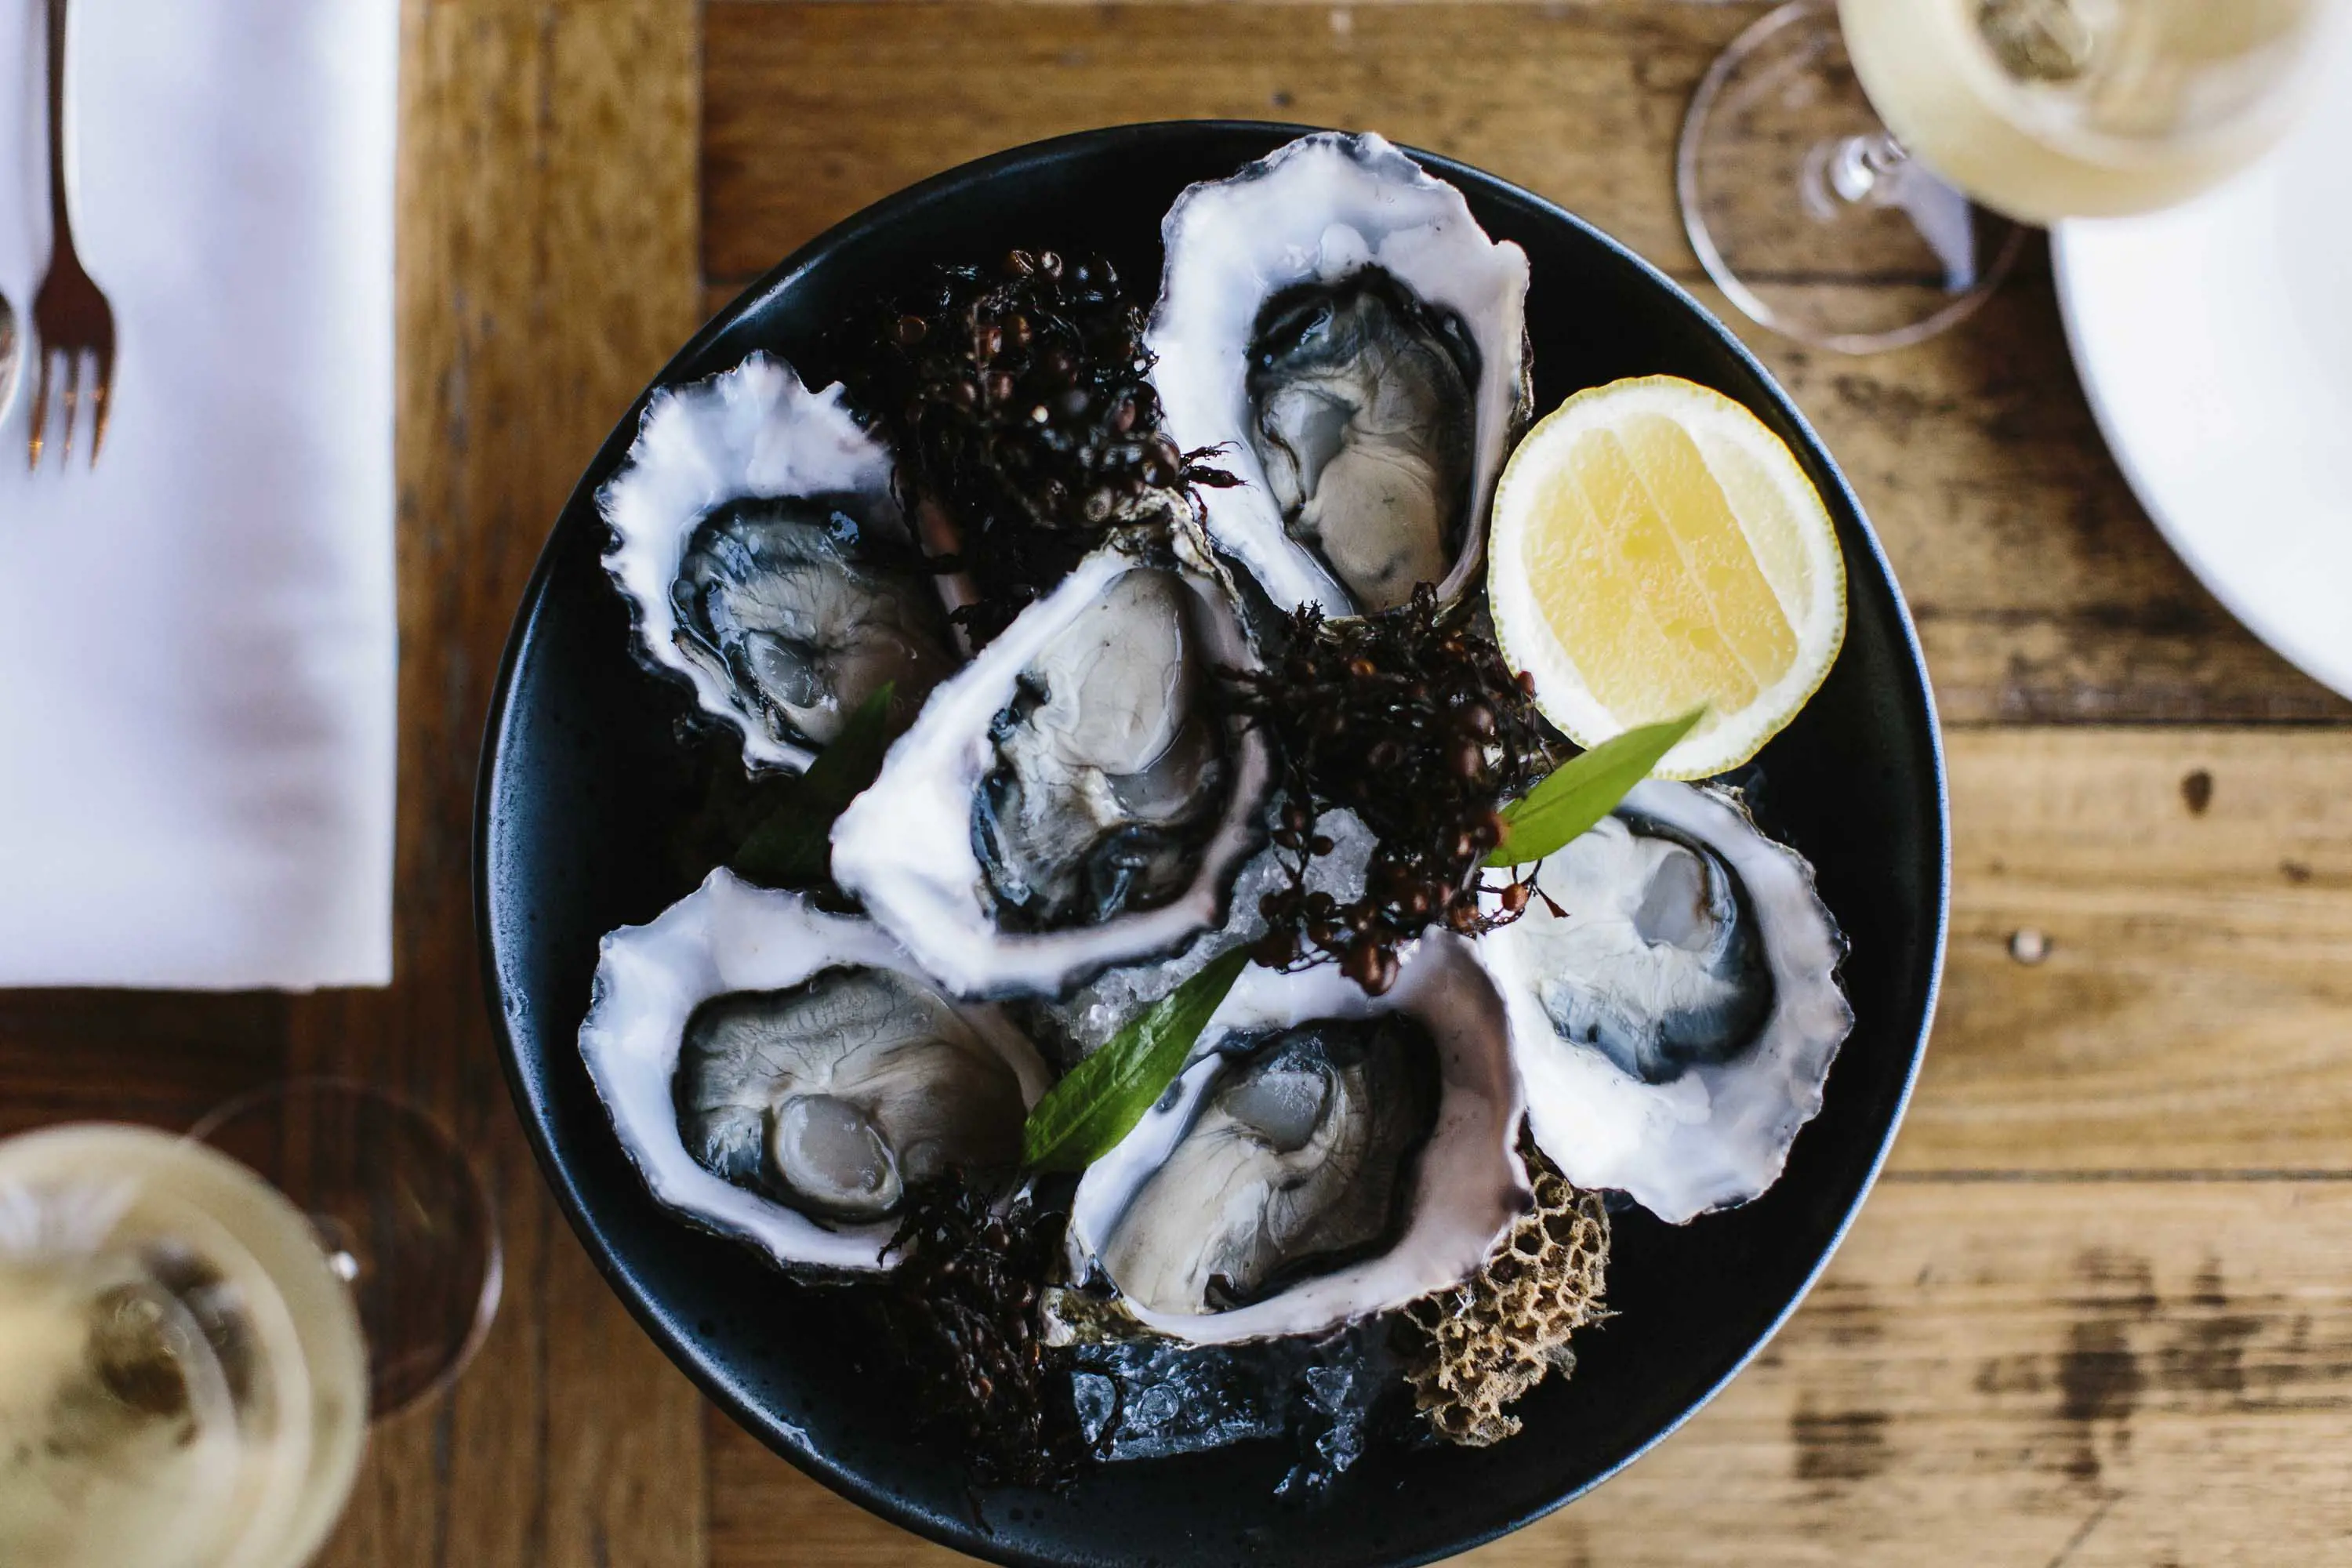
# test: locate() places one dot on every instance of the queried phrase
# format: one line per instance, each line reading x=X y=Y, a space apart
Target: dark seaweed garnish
x=1412 y=720
x=1014 y=397
x=964 y=1310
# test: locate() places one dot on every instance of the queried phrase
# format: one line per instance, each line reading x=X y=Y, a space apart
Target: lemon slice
x=1655 y=549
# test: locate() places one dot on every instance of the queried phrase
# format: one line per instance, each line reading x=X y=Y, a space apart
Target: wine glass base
x=399 y=1211
x=1805 y=211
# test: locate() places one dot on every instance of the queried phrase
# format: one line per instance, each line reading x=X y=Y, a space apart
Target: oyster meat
x=1109 y=767
x=806 y=613
x=835 y=1095
x=1336 y=323
x=1326 y=1155
x=783 y=1075
x=1071 y=800
x=1675 y=1022
x=1299 y=1160
x=1364 y=429
x=764 y=560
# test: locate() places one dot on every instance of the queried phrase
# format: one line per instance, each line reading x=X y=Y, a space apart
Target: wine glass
x=1856 y=175
x=183 y=1379
x=190 y=1355
x=399 y=1210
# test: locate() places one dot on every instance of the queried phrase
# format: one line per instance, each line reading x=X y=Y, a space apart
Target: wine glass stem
x=335 y=1245
x=1865 y=169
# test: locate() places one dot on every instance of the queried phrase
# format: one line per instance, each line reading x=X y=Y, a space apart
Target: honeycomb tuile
x=1489 y=1341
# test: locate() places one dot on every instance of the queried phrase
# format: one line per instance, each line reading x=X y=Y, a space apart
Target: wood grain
x=2194 y=1011
x=2136 y=1374
x=2042 y=591
x=159 y=1058
x=813 y=110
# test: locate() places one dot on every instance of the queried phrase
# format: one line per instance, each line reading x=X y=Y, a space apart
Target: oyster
x=1070 y=800
x=1327 y=1155
x=835 y=1095
x=1109 y=767
x=783 y=1075
x=1334 y=319
x=1320 y=1124
x=1675 y=1024
x=764 y=560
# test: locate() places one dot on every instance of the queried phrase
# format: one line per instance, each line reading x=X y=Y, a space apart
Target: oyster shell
x=1069 y=801
x=1327 y=1155
x=764 y=560
x=782 y=1075
x=1675 y=1024
x=1337 y=323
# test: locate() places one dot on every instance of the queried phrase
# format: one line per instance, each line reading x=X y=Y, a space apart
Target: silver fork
x=69 y=313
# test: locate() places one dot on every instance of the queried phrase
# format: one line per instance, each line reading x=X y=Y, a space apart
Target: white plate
x=2215 y=343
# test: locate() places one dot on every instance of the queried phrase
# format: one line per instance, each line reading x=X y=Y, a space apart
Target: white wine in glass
x=184 y=1382
x=1854 y=172
x=2056 y=109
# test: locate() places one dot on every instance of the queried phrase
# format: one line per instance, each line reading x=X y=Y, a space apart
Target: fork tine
x=73 y=403
x=104 y=397
x=40 y=412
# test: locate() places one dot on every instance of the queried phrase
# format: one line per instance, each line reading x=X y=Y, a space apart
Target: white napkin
x=197 y=647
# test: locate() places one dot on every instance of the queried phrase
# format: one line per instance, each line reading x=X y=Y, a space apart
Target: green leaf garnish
x=1099 y=1101
x=794 y=846
x=1583 y=790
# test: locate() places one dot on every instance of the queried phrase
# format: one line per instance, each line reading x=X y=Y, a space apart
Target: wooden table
x=2100 y=1310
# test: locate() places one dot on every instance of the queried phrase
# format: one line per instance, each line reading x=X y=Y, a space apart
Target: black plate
x=582 y=776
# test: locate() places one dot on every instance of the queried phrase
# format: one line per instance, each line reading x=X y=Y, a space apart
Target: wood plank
x=1989 y=1371
x=548 y=223
x=814 y=109
x=2194 y=1010
x=763 y=1513
x=2102 y=1373
x=160 y=1057
x=2042 y=591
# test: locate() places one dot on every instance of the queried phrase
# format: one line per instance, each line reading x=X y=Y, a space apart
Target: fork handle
x=60 y=219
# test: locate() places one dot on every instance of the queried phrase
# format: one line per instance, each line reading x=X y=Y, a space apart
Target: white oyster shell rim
x=754 y=431
x=1720 y=1134
x=1470 y=1183
x=903 y=847
x=1324 y=207
x=729 y=936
